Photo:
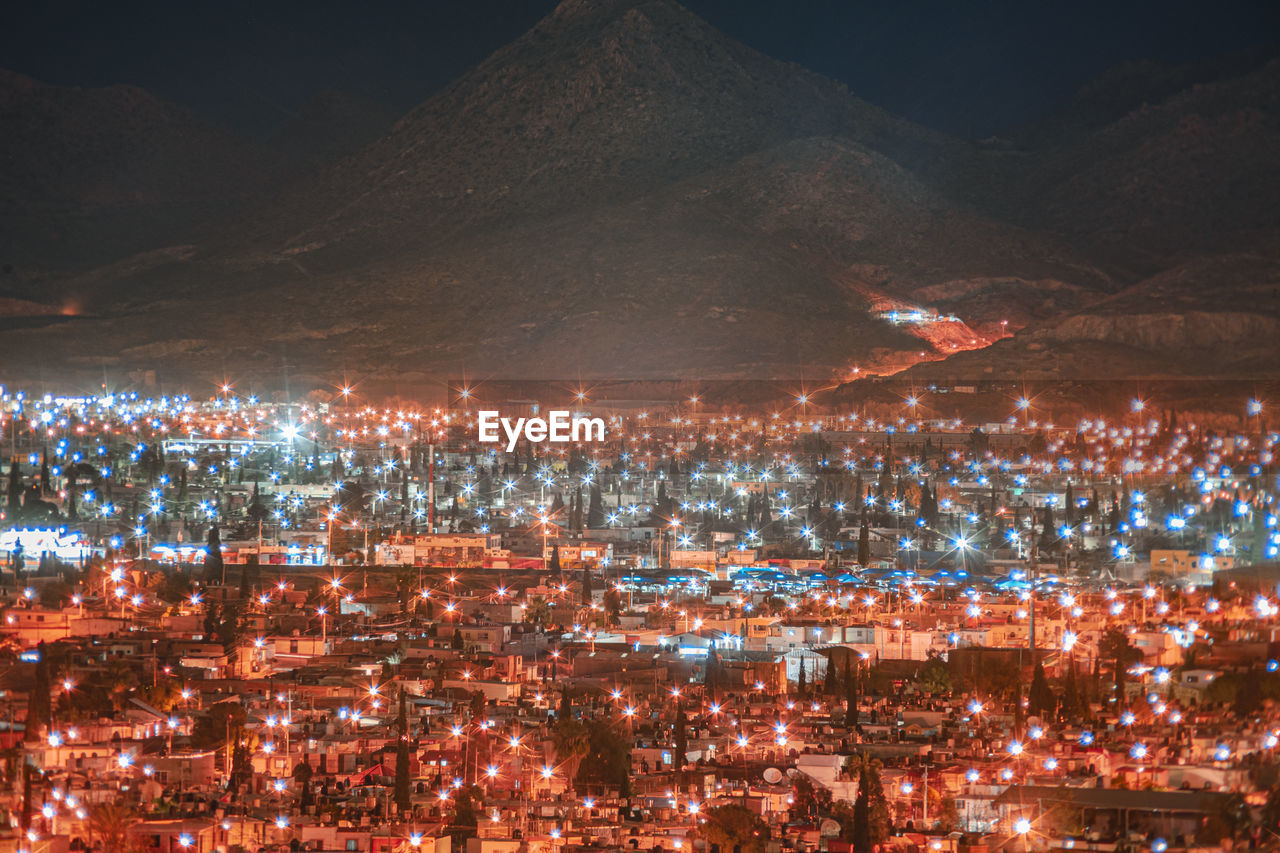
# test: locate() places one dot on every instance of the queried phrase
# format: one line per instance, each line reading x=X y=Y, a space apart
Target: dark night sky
x=973 y=68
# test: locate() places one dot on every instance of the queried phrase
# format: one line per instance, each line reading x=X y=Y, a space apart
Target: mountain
x=1193 y=172
x=328 y=127
x=625 y=192
x=602 y=101
x=1175 y=195
x=91 y=175
x=1130 y=86
x=1216 y=316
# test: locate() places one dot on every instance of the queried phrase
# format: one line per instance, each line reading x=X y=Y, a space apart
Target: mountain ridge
x=624 y=190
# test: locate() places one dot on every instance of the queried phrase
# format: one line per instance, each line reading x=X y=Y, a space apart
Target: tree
x=934 y=676
x=214 y=571
x=1114 y=646
x=862 y=816
x=250 y=575
x=850 y=697
x=877 y=804
x=830 y=685
x=802 y=686
x=1041 y=701
x=222 y=721
x=948 y=819
x=1271 y=811
x=807 y=800
x=15 y=488
x=571 y=740
x=1071 y=704
x=302 y=781
x=681 y=737
x=1248 y=698
x=403 y=802
x=28 y=791
x=110 y=822
x=713 y=674
x=612 y=607
x=864 y=542
x=55 y=594
x=588 y=594
x=1231 y=817
x=595 y=510
x=456 y=642
x=241 y=767
x=39 y=704
x=463 y=822
x=608 y=758
x=256 y=512
x=735 y=829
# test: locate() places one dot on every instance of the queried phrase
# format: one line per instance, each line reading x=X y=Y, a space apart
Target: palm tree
x=1114 y=645
x=572 y=741
x=111 y=823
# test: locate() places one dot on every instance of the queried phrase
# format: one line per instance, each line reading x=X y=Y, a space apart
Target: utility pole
x=924 y=819
x=431 y=488
x=1031 y=598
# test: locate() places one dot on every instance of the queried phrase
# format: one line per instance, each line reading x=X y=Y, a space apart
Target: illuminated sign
x=66 y=545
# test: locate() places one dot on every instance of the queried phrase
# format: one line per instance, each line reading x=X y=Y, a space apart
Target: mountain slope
x=91 y=175
x=625 y=192
x=330 y=126
x=603 y=100
x=1214 y=316
x=1192 y=173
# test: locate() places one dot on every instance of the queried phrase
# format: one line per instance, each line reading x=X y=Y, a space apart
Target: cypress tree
x=402 y=758
x=214 y=571
x=1070 y=692
x=28 y=792
x=15 y=488
x=595 y=510
x=39 y=705
x=862 y=816
x=877 y=804
x=681 y=738
x=713 y=674
x=1041 y=699
x=404 y=496
x=850 y=697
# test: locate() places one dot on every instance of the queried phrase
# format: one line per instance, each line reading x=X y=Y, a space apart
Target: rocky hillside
x=625 y=192
x=91 y=175
x=330 y=126
x=1216 y=316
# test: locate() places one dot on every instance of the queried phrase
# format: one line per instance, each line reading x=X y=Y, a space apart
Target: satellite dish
x=772 y=775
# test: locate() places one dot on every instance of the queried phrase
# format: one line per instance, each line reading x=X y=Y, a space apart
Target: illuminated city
x=263 y=621
x=639 y=426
